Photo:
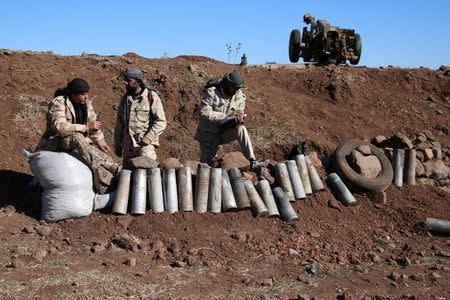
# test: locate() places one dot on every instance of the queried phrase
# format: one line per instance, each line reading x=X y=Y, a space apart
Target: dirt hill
x=370 y=251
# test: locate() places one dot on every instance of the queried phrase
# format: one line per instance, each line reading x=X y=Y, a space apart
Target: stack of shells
x=216 y=190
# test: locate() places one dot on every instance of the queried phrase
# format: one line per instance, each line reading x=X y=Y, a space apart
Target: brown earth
x=369 y=251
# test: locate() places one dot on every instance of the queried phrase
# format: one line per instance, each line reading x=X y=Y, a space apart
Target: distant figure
x=222 y=119
x=72 y=125
x=243 y=60
x=140 y=118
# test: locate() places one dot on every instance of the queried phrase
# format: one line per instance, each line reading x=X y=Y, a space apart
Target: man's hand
x=145 y=141
x=93 y=126
x=240 y=118
x=105 y=148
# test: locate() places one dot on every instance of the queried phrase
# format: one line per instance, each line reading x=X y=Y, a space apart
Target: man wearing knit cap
x=72 y=125
x=140 y=118
x=222 y=119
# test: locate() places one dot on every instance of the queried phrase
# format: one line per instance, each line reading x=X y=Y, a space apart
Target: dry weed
x=31 y=111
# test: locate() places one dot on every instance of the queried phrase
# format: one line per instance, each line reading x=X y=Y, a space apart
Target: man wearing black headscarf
x=72 y=125
x=140 y=118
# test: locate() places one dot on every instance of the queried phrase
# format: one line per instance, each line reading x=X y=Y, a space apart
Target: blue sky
x=401 y=33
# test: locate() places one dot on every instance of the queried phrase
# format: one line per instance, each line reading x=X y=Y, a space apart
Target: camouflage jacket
x=61 y=121
x=143 y=115
x=213 y=110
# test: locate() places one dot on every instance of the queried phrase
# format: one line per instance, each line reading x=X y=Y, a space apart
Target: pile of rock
x=432 y=160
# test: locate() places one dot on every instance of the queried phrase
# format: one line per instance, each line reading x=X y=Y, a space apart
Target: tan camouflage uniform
x=214 y=108
x=63 y=135
x=144 y=116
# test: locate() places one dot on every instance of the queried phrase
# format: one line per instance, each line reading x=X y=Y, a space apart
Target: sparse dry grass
x=31 y=110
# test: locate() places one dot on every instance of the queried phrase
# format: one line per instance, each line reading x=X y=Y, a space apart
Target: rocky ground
x=368 y=251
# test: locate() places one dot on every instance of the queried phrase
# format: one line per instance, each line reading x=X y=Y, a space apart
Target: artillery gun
x=324 y=44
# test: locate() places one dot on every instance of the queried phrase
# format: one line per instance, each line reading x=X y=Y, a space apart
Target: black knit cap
x=235 y=79
x=77 y=86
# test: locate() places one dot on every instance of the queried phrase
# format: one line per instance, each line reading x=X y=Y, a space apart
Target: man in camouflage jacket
x=140 y=118
x=222 y=118
x=72 y=125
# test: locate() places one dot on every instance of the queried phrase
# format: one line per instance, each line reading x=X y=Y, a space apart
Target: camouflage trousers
x=129 y=151
x=102 y=165
x=208 y=149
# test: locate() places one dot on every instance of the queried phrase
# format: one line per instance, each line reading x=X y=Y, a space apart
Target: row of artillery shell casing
x=404 y=163
x=216 y=190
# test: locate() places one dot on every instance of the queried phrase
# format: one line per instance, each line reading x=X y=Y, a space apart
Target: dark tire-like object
x=358 y=49
x=294 y=45
x=351 y=177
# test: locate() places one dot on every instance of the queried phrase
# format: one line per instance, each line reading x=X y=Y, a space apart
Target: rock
x=426 y=181
x=379 y=139
x=444 y=253
x=178 y=264
x=212 y=275
x=9 y=210
x=234 y=160
x=170 y=163
x=364 y=149
x=131 y=261
x=420 y=157
x=423 y=146
x=28 y=229
x=367 y=166
x=436 y=169
x=395 y=276
x=421 y=138
x=241 y=237
x=399 y=140
x=143 y=162
x=98 y=248
x=437 y=150
x=333 y=203
x=265 y=174
x=43 y=230
x=126 y=241
x=293 y=251
x=431 y=98
x=444 y=182
x=429 y=135
x=16 y=264
x=313 y=269
x=435 y=276
x=267 y=282
x=303 y=297
x=428 y=154
x=249 y=176
x=420 y=170
x=39 y=255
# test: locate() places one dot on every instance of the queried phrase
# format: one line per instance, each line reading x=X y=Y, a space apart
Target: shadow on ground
x=15 y=191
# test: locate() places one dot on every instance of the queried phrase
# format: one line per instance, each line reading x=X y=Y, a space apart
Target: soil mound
x=370 y=250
